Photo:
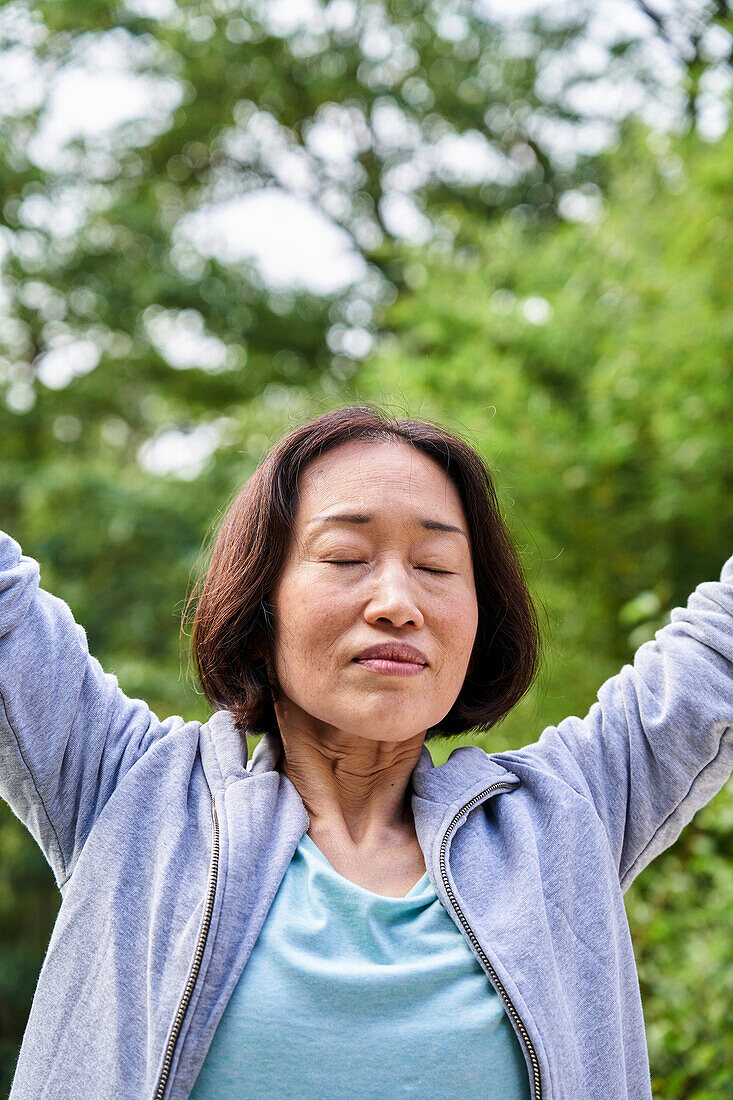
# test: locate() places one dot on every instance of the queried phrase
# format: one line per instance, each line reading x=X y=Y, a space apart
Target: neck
x=354 y=788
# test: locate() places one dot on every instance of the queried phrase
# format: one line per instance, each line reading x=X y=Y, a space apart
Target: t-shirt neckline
x=419 y=885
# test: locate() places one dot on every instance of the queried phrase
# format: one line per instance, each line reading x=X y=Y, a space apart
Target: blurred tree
x=382 y=114
x=697 y=36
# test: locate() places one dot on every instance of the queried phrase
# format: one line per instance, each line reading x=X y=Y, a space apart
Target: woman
x=339 y=917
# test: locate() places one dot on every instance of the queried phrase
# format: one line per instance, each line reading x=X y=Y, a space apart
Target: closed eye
x=423 y=568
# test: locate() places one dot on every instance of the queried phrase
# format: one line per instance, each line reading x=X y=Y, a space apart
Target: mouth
x=389 y=667
x=393 y=659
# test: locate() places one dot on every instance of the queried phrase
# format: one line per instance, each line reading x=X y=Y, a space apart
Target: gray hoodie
x=168 y=849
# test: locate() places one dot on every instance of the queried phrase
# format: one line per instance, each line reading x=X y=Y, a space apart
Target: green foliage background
x=609 y=426
x=588 y=358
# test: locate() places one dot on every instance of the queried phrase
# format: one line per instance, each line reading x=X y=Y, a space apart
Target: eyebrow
x=365 y=517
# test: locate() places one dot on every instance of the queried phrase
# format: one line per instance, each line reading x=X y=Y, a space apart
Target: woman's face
x=380 y=553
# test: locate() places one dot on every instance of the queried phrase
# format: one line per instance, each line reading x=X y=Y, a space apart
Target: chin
x=389 y=720
x=379 y=729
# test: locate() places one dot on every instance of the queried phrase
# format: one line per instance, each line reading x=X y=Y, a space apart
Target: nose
x=392 y=599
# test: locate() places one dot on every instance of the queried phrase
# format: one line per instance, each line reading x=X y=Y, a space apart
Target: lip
x=399 y=652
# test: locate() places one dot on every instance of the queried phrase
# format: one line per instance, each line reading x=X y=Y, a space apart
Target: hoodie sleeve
x=68 y=734
x=658 y=742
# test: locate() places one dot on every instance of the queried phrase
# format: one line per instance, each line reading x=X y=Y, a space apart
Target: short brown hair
x=233 y=631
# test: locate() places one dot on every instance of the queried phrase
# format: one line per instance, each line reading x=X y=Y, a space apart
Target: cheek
x=460 y=622
x=309 y=616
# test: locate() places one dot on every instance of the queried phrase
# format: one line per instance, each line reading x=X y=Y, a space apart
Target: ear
x=257 y=646
x=271 y=674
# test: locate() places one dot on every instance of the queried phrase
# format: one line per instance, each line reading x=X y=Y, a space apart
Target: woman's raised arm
x=658 y=743
x=68 y=734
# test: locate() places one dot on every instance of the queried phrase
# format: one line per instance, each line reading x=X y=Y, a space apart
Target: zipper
x=196 y=966
x=536 y=1081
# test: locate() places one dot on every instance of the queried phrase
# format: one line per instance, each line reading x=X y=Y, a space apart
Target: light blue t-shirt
x=351 y=994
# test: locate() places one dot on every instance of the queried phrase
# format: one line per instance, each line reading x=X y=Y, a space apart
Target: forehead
x=389 y=477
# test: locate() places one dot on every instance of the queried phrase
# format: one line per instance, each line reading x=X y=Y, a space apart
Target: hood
x=467 y=770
